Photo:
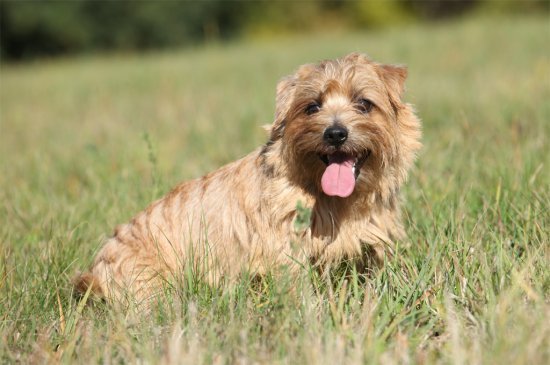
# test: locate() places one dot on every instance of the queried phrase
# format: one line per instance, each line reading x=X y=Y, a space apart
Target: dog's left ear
x=394 y=77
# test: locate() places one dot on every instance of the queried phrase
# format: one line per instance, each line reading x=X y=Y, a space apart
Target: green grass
x=86 y=143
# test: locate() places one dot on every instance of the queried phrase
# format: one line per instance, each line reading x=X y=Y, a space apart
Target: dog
x=324 y=189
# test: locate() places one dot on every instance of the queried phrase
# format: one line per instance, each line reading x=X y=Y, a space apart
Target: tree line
x=30 y=29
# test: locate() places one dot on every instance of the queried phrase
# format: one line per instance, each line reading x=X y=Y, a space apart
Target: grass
x=86 y=143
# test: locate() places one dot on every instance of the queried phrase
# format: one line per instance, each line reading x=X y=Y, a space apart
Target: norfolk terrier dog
x=339 y=149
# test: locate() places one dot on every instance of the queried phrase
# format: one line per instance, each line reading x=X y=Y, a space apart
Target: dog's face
x=343 y=126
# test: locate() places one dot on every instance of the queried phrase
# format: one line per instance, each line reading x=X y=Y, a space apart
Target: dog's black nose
x=335 y=135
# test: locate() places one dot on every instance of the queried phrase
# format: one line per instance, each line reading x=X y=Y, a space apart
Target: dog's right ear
x=283 y=101
x=286 y=90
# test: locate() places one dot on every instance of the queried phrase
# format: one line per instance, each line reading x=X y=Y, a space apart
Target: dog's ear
x=283 y=101
x=394 y=78
x=286 y=89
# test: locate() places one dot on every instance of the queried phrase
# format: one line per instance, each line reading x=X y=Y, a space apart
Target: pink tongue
x=338 y=178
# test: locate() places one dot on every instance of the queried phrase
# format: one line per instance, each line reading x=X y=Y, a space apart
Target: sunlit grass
x=86 y=143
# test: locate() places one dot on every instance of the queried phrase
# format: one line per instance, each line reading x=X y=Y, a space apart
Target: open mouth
x=341 y=172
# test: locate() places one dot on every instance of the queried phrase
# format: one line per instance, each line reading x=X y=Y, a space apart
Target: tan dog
x=340 y=146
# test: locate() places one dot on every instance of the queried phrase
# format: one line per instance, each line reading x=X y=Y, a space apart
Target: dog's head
x=343 y=127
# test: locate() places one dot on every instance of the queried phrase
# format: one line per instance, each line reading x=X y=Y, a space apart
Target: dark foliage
x=33 y=28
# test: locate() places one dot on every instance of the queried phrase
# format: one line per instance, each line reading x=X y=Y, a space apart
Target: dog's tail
x=84 y=282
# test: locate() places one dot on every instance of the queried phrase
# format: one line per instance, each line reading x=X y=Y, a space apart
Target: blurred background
x=32 y=29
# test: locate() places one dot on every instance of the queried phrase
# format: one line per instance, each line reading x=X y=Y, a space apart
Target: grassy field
x=86 y=143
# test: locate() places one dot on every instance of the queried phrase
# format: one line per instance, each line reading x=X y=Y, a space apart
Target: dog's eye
x=312 y=108
x=364 y=105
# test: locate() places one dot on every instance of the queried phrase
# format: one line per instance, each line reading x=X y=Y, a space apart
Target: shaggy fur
x=242 y=217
